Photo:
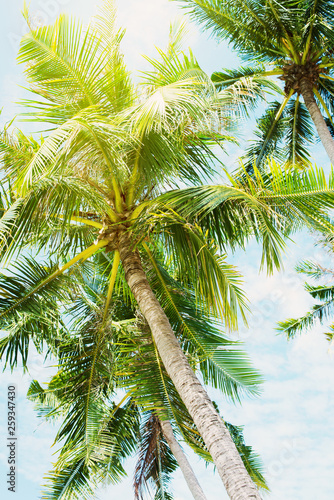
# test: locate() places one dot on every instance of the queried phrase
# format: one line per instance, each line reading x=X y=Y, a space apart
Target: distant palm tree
x=95 y=183
x=292 y=40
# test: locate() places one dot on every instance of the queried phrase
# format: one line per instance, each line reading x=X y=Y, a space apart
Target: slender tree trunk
x=182 y=460
x=318 y=120
x=238 y=483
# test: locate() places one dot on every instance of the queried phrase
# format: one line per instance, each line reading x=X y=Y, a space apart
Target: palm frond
x=269 y=205
x=88 y=138
x=257 y=74
x=49 y=208
x=313 y=269
x=69 y=67
x=29 y=309
x=70 y=483
x=270 y=132
x=283 y=137
x=220 y=360
x=7 y=224
x=115 y=83
x=299 y=134
x=226 y=20
x=95 y=433
x=247 y=84
x=249 y=457
x=16 y=150
x=216 y=283
x=318 y=313
x=46 y=403
x=243 y=216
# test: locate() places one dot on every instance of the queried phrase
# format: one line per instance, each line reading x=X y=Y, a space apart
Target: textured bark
x=238 y=483
x=318 y=120
x=182 y=460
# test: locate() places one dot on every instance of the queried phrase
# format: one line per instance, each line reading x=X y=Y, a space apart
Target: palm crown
x=292 y=40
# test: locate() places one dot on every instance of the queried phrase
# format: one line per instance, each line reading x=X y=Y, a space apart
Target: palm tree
x=293 y=41
x=105 y=157
x=96 y=432
x=93 y=184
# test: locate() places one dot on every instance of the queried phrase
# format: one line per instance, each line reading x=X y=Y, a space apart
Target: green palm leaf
x=320 y=312
x=221 y=362
x=67 y=60
x=269 y=205
x=29 y=309
x=270 y=132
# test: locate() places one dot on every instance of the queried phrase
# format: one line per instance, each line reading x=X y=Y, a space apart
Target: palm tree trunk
x=318 y=120
x=182 y=460
x=238 y=483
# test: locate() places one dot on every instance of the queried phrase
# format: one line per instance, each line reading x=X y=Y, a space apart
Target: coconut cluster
x=293 y=74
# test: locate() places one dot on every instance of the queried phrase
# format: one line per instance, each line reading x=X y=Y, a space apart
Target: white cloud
x=147 y=26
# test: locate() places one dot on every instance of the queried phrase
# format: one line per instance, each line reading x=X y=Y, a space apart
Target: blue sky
x=290 y=425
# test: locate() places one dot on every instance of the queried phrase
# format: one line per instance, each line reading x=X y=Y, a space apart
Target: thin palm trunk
x=182 y=460
x=318 y=120
x=231 y=469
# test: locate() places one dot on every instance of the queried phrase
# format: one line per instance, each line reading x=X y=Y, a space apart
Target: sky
x=290 y=424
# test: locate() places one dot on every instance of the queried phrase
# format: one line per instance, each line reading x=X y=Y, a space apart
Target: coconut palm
x=93 y=184
x=104 y=158
x=96 y=432
x=293 y=41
